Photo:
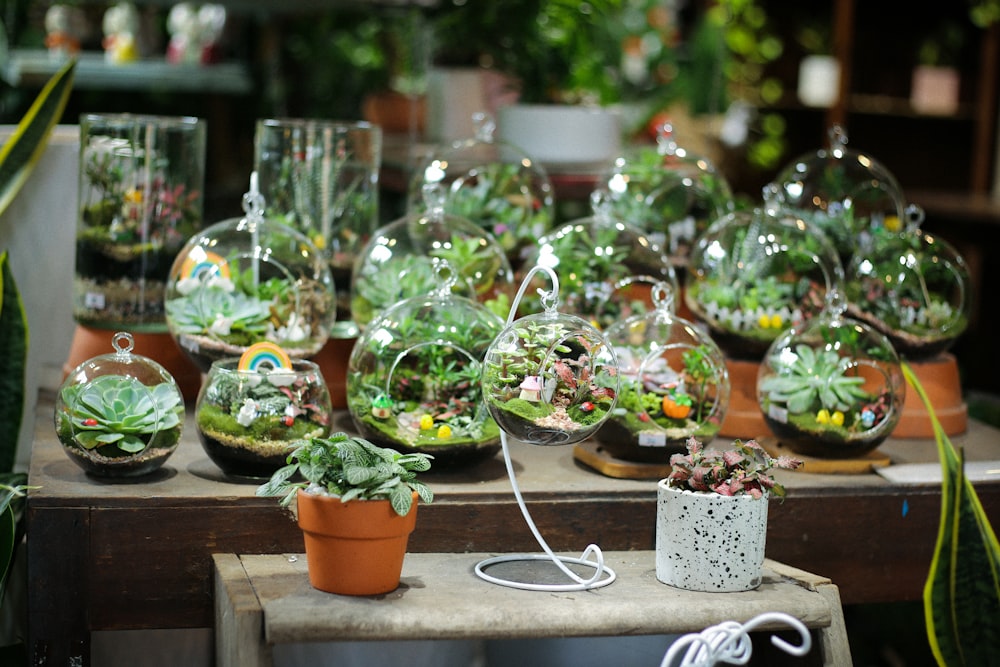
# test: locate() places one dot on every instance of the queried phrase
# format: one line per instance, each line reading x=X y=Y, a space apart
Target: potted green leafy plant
x=711 y=516
x=356 y=505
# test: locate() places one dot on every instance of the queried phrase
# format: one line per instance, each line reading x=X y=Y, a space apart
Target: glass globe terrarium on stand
x=248 y=280
x=491 y=183
x=914 y=288
x=607 y=267
x=549 y=379
x=832 y=389
x=119 y=415
x=750 y=277
x=413 y=376
x=674 y=386
x=668 y=192
x=398 y=262
x=252 y=408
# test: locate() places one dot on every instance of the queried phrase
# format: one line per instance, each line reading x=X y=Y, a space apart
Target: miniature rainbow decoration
x=198 y=263
x=262 y=355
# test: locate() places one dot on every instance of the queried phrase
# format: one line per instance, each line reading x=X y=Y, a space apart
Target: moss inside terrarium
x=213 y=420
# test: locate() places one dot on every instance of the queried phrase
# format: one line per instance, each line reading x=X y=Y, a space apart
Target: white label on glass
x=650 y=439
x=93 y=300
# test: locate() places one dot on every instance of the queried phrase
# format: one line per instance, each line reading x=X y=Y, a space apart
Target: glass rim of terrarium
x=231 y=365
x=298 y=123
x=128 y=119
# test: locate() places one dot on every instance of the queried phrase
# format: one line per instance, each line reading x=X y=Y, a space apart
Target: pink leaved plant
x=744 y=469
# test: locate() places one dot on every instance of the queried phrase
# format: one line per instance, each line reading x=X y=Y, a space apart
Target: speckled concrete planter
x=707 y=542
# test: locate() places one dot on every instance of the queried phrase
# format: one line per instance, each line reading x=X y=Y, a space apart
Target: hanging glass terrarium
x=843 y=192
x=491 y=183
x=668 y=192
x=398 y=262
x=413 y=376
x=753 y=274
x=911 y=286
x=140 y=199
x=674 y=385
x=607 y=268
x=549 y=378
x=832 y=389
x=119 y=414
x=248 y=280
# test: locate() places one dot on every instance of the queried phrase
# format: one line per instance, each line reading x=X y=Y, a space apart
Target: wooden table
x=265 y=600
x=105 y=555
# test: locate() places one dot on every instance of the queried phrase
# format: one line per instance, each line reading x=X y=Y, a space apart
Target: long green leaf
x=962 y=591
x=14 y=343
x=23 y=149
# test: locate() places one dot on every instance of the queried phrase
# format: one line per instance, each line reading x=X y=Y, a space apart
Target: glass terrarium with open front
x=674 y=385
x=246 y=280
x=832 y=389
x=413 y=376
x=755 y=273
x=119 y=414
x=491 y=183
x=912 y=286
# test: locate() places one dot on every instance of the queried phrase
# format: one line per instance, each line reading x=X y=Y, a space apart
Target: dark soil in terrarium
x=461 y=454
x=906 y=344
x=203 y=350
x=824 y=443
x=143 y=463
x=621 y=443
x=121 y=301
x=112 y=261
x=245 y=457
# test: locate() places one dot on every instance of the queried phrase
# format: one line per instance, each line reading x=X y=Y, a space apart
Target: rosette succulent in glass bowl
x=913 y=287
x=607 y=267
x=755 y=273
x=249 y=280
x=668 y=192
x=398 y=262
x=413 y=376
x=251 y=409
x=832 y=389
x=549 y=378
x=491 y=183
x=674 y=385
x=843 y=192
x=119 y=414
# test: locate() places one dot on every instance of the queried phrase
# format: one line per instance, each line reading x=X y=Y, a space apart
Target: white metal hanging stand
x=592 y=555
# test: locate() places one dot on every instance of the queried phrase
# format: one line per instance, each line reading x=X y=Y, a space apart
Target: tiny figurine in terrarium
x=833 y=389
x=247 y=280
x=843 y=192
x=550 y=378
x=491 y=183
x=674 y=385
x=120 y=414
x=251 y=410
x=668 y=192
x=753 y=274
x=607 y=267
x=140 y=199
x=911 y=286
x=399 y=262
x=413 y=377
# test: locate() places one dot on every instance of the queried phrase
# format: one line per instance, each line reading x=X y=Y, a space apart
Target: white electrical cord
x=729 y=642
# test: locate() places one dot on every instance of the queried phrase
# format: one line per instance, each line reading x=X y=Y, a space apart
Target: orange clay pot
x=354 y=548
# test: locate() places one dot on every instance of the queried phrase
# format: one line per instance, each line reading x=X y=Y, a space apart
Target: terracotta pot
x=354 y=548
x=708 y=542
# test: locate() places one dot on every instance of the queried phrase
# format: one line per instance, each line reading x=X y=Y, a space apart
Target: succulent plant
x=744 y=469
x=119 y=410
x=214 y=306
x=351 y=468
x=814 y=375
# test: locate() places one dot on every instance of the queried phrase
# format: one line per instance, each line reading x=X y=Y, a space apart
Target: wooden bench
x=266 y=600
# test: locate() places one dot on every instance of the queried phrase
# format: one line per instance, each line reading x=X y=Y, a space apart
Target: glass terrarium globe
x=844 y=192
x=398 y=262
x=252 y=408
x=119 y=414
x=550 y=378
x=753 y=274
x=413 y=377
x=674 y=385
x=833 y=389
x=491 y=183
x=607 y=268
x=667 y=191
x=247 y=280
x=911 y=286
